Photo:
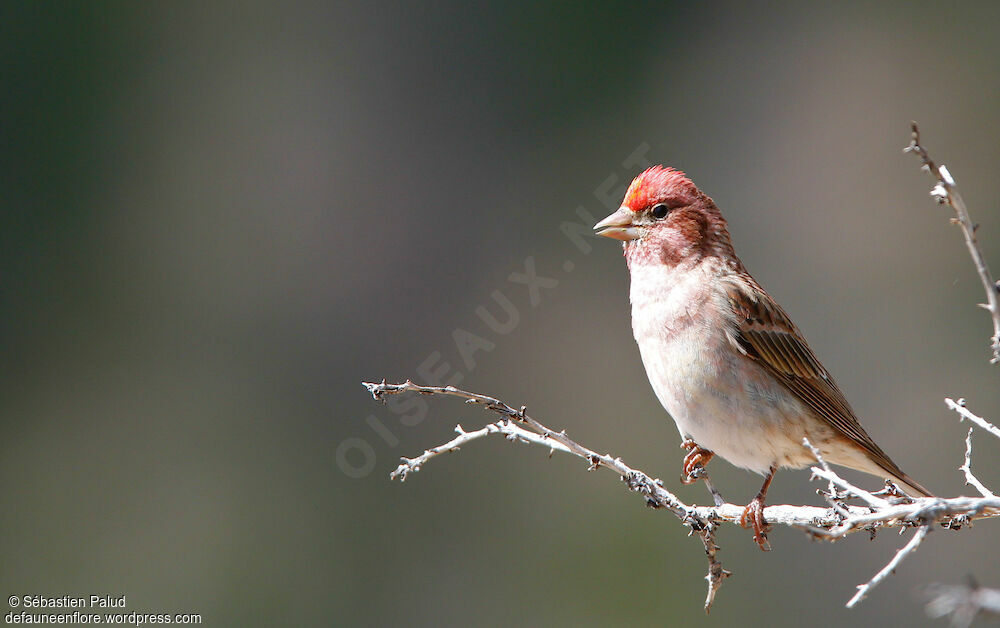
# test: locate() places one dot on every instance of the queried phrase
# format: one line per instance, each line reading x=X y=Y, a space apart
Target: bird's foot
x=753 y=517
x=694 y=461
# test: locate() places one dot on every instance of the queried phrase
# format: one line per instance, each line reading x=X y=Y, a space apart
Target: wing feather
x=766 y=334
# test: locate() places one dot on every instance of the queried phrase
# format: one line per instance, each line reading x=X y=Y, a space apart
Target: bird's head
x=665 y=218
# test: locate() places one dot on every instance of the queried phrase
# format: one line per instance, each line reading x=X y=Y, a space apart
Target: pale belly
x=719 y=398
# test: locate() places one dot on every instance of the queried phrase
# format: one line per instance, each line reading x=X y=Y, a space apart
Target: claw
x=694 y=461
x=753 y=514
x=753 y=517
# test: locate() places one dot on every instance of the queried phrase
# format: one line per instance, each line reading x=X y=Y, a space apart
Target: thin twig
x=946 y=192
x=959 y=407
x=503 y=426
x=832 y=497
x=890 y=567
x=966 y=468
x=701 y=521
x=828 y=475
x=701 y=473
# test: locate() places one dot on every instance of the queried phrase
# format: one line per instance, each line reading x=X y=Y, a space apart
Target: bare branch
x=891 y=566
x=959 y=407
x=701 y=473
x=831 y=498
x=503 y=426
x=827 y=473
x=946 y=192
x=702 y=521
x=823 y=523
x=967 y=469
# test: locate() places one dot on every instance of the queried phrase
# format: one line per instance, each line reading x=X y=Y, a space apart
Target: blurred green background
x=219 y=218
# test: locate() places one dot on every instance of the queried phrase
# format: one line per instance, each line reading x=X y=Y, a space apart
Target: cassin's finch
x=723 y=358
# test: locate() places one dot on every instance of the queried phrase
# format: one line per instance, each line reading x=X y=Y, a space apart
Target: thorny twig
x=518 y=423
x=959 y=407
x=946 y=192
x=832 y=494
x=884 y=573
x=966 y=468
x=512 y=431
x=822 y=523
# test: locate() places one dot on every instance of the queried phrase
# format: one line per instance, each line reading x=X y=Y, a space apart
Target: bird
x=723 y=358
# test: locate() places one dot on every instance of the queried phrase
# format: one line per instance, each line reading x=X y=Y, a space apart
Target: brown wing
x=767 y=335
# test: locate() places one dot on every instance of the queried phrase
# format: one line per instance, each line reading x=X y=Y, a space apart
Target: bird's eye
x=660 y=211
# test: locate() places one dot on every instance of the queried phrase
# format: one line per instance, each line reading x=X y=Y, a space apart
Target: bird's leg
x=693 y=469
x=753 y=514
x=694 y=461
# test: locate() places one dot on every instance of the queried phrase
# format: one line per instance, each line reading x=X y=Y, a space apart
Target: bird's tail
x=877 y=463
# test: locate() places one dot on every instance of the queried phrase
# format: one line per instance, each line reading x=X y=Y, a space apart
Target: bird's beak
x=618 y=225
